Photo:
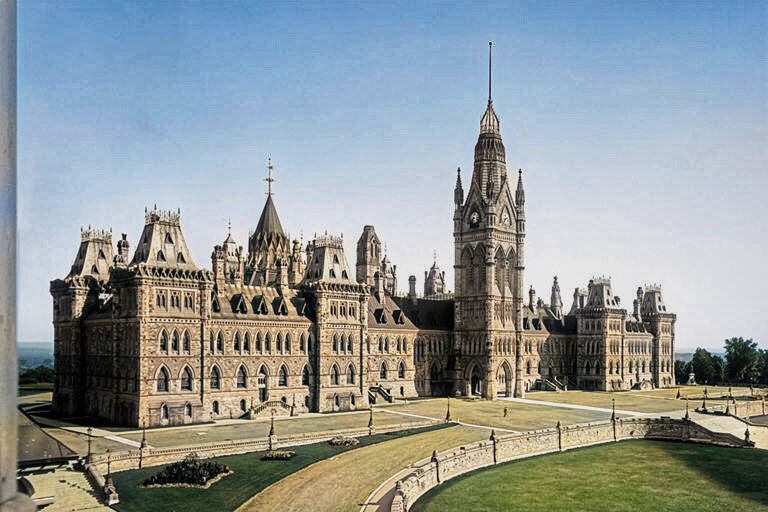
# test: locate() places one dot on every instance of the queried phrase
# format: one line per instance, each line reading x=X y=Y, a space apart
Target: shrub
x=343 y=441
x=189 y=471
x=278 y=455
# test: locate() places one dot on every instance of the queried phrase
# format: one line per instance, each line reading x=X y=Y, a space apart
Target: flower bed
x=343 y=441
x=189 y=472
x=278 y=455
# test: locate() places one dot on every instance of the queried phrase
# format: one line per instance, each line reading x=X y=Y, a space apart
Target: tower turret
x=368 y=254
x=458 y=191
x=555 y=301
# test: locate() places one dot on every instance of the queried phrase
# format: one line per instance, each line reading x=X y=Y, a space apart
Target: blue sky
x=641 y=129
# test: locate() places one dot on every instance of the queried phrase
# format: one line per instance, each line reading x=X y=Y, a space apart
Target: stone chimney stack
x=412 y=286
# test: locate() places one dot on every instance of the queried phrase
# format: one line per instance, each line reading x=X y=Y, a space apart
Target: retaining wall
x=449 y=464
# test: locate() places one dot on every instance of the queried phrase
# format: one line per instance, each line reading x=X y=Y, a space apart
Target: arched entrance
x=261 y=384
x=435 y=380
x=504 y=380
x=475 y=383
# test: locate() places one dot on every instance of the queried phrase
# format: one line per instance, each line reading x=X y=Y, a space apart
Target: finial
x=229 y=226
x=458 y=171
x=269 y=179
x=490 y=48
x=434 y=256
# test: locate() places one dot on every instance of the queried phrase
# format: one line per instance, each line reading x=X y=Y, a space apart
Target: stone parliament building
x=154 y=339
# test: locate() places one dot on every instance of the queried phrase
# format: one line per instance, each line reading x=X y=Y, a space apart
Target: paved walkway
x=576 y=406
x=734 y=426
x=473 y=425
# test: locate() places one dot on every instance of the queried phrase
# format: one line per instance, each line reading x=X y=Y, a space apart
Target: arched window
x=175 y=341
x=352 y=399
x=398 y=344
x=188 y=410
x=405 y=345
x=282 y=376
x=237 y=342
x=220 y=343
x=335 y=342
x=186 y=379
x=215 y=407
x=528 y=367
x=350 y=374
x=381 y=345
x=302 y=343
x=349 y=344
x=288 y=343
x=164 y=412
x=258 y=342
x=163 y=380
x=279 y=343
x=247 y=347
x=268 y=343
x=163 y=341
x=160 y=256
x=383 y=371
x=305 y=376
x=386 y=345
x=186 y=343
x=243 y=405
x=242 y=377
x=215 y=378
x=334 y=375
x=401 y=370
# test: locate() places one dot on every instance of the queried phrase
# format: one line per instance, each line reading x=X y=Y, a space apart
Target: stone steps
x=72 y=491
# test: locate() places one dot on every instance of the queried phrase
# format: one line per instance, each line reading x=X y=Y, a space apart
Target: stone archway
x=475 y=383
x=504 y=380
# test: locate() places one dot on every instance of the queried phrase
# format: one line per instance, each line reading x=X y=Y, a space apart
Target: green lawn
x=250 y=476
x=627 y=476
x=520 y=416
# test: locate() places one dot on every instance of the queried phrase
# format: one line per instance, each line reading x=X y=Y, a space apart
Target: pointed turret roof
x=269 y=222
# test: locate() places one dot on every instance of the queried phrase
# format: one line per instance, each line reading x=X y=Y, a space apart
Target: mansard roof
x=428 y=314
x=260 y=302
x=162 y=242
x=383 y=311
x=95 y=255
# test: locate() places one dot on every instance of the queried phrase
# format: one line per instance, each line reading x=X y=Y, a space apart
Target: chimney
x=412 y=286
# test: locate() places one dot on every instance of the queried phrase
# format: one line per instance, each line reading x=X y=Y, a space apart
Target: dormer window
x=332 y=274
x=102 y=256
x=94 y=270
x=335 y=259
x=180 y=258
x=168 y=239
x=160 y=256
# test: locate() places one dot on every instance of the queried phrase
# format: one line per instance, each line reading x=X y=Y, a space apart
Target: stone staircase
x=71 y=491
x=374 y=392
x=734 y=426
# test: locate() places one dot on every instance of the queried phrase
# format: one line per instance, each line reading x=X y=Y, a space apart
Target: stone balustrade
x=449 y=464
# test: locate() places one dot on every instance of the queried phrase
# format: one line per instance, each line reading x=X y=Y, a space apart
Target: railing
x=446 y=465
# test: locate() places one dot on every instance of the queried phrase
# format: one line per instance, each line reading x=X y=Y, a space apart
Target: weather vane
x=269 y=179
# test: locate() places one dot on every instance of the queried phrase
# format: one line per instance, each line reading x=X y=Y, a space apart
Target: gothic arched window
x=186 y=379
x=215 y=378
x=383 y=371
x=401 y=371
x=305 y=376
x=282 y=376
x=185 y=342
x=350 y=374
x=163 y=380
x=163 y=341
x=334 y=375
x=242 y=377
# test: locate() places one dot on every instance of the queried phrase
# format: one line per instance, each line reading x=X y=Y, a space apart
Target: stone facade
x=156 y=339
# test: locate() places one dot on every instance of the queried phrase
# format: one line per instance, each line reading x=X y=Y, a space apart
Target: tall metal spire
x=269 y=179
x=490 y=48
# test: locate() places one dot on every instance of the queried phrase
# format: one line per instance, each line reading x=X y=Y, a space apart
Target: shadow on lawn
x=740 y=470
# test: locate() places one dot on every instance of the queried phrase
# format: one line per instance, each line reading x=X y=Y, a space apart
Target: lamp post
x=89 y=431
x=613 y=409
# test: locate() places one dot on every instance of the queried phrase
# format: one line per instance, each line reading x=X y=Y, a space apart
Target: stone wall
x=135 y=459
x=449 y=464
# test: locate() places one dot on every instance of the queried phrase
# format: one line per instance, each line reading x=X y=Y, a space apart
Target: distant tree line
x=40 y=374
x=744 y=363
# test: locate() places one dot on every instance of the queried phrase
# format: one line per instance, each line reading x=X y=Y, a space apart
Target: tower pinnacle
x=269 y=179
x=490 y=48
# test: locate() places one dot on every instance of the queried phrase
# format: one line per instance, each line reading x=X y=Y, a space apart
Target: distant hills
x=32 y=354
x=687 y=356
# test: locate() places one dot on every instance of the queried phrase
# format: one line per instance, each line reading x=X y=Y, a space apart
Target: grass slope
x=631 y=476
x=251 y=475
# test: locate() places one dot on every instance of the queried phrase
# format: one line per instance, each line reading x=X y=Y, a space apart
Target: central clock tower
x=489 y=234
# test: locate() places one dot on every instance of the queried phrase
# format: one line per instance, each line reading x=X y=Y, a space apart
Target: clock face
x=474 y=219
x=505 y=218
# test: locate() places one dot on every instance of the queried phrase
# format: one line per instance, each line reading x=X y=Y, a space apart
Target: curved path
x=343 y=482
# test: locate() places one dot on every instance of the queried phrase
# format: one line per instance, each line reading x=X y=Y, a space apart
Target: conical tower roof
x=269 y=222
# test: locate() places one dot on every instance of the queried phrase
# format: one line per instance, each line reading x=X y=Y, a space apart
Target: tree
x=763 y=378
x=719 y=365
x=742 y=360
x=703 y=366
x=681 y=372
